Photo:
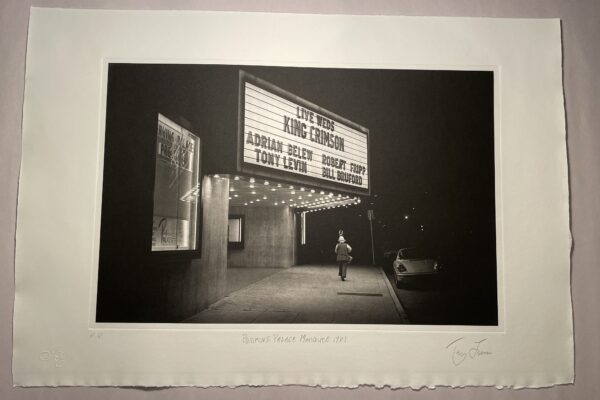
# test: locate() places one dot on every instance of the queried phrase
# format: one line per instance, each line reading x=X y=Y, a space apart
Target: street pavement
x=450 y=299
x=310 y=294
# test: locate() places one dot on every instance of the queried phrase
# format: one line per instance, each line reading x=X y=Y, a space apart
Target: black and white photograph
x=263 y=194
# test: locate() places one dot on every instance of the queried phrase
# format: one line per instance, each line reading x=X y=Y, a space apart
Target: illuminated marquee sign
x=283 y=134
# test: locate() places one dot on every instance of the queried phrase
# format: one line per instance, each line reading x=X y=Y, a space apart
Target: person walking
x=342 y=251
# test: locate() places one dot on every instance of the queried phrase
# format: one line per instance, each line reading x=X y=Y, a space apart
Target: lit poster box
x=176 y=187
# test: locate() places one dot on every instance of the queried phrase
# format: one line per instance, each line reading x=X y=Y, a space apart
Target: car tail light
x=401 y=268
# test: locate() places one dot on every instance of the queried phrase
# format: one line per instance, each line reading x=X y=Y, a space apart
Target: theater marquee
x=283 y=136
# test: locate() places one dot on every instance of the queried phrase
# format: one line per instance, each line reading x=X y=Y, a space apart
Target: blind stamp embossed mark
x=55 y=356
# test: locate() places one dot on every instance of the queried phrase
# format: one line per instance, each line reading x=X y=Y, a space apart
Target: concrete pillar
x=208 y=282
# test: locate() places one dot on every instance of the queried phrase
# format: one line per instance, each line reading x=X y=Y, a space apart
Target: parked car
x=412 y=262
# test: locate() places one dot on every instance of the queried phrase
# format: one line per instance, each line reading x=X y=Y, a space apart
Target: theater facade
x=209 y=169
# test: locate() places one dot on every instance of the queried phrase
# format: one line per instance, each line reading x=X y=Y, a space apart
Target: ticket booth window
x=235 y=231
x=176 y=188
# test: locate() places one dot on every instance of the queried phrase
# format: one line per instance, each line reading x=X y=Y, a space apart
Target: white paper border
x=120 y=356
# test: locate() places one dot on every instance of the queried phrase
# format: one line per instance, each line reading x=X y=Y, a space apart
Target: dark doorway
x=322 y=234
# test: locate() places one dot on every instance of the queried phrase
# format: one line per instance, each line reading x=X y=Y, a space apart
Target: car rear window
x=412 y=254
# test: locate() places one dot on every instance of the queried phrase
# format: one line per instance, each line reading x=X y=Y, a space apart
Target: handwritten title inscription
x=275 y=339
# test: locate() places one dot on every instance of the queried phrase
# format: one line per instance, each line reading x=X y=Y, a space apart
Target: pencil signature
x=462 y=350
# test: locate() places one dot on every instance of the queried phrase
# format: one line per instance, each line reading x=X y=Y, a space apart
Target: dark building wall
x=269 y=238
x=134 y=284
x=174 y=288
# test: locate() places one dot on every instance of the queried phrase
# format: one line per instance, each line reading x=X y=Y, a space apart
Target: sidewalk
x=310 y=294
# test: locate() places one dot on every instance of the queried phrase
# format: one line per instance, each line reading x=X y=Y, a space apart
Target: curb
x=399 y=308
